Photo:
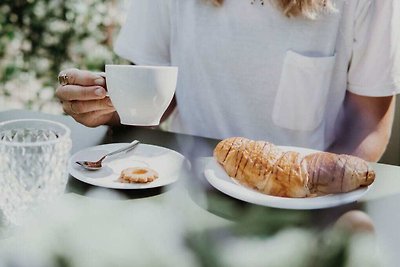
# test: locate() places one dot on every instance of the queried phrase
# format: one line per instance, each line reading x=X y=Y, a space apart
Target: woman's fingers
x=80 y=85
x=83 y=96
x=77 y=92
x=83 y=77
x=75 y=107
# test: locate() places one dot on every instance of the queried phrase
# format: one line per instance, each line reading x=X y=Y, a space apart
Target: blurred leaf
x=330 y=249
x=61 y=261
x=266 y=221
x=204 y=247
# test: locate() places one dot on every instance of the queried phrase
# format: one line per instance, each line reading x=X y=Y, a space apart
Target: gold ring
x=63 y=79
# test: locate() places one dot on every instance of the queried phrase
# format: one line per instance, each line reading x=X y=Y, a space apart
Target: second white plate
x=169 y=164
x=219 y=179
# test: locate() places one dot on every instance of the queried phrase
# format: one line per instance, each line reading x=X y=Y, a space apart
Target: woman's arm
x=367 y=126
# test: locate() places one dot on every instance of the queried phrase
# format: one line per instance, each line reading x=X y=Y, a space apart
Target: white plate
x=218 y=178
x=169 y=164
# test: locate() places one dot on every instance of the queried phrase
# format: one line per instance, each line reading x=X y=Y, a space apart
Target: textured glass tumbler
x=33 y=164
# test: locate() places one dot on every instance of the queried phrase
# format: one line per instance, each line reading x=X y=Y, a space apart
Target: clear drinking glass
x=33 y=164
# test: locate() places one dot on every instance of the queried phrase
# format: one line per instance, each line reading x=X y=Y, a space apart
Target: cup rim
x=141 y=66
x=62 y=137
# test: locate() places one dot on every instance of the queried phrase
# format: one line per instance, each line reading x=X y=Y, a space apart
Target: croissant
x=333 y=173
x=266 y=168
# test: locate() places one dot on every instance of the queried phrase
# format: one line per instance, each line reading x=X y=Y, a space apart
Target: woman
x=311 y=73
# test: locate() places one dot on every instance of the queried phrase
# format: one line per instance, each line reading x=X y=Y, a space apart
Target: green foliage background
x=38 y=38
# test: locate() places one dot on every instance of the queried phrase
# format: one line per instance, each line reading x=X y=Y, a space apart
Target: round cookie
x=137 y=175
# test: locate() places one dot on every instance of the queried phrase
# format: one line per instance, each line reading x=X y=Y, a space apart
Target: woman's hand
x=83 y=96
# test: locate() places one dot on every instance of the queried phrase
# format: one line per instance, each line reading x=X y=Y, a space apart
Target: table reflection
x=193 y=212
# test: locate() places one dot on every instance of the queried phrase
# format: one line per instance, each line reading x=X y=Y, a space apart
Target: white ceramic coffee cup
x=141 y=94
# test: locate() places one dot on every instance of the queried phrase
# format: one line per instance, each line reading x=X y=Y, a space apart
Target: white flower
x=40 y=9
x=58 y=26
x=5 y=9
x=25 y=88
x=14 y=47
x=41 y=64
x=50 y=39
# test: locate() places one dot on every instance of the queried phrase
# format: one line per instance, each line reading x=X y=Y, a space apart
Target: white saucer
x=169 y=164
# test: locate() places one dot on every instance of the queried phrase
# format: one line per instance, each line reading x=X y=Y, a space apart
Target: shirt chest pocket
x=303 y=90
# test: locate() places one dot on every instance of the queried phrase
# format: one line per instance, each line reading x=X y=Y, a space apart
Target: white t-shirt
x=247 y=70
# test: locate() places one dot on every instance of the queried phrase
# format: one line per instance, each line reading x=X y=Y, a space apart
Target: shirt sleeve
x=144 y=39
x=375 y=64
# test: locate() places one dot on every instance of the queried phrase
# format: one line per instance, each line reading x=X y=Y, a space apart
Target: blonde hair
x=294 y=8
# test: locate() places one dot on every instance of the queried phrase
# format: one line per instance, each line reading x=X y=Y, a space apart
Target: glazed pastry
x=333 y=173
x=263 y=166
x=266 y=168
